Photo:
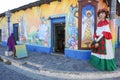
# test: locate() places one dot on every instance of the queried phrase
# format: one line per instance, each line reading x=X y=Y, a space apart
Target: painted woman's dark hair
x=103 y=11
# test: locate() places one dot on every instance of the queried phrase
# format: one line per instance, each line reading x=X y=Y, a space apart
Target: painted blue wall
x=34 y=48
x=78 y=54
x=3 y=43
x=40 y=49
x=116 y=45
x=58 y=20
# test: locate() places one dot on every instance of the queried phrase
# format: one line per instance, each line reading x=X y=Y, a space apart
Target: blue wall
x=116 y=45
x=39 y=49
x=34 y=48
x=78 y=54
x=3 y=43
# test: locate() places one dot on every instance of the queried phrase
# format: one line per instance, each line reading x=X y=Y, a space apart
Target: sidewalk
x=58 y=65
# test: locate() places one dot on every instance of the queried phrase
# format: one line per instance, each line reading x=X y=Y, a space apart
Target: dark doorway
x=15 y=31
x=0 y=35
x=58 y=37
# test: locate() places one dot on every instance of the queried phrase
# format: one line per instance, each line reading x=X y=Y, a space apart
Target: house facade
x=54 y=26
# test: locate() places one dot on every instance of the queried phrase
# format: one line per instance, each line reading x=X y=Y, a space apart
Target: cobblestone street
x=8 y=74
x=42 y=66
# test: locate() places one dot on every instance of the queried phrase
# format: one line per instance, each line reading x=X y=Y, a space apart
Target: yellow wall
x=30 y=22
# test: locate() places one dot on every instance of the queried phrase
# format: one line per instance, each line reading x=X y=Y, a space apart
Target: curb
x=64 y=74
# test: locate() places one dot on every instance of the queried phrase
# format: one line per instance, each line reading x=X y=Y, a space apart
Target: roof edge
x=30 y=5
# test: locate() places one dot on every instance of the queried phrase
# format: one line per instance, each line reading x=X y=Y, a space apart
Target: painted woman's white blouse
x=101 y=29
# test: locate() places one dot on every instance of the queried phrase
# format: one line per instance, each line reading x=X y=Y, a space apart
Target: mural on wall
x=35 y=28
x=4 y=28
x=41 y=36
x=30 y=21
x=22 y=30
x=4 y=33
x=37 y=36
x=44 y=31
x=72 y=29
x=87 y=26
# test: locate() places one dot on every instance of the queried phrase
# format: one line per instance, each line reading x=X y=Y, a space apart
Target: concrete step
x=5 y=59
x=69 y=75
x=30 y=66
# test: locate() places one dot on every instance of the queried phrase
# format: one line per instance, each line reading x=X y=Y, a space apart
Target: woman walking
x=11 y=43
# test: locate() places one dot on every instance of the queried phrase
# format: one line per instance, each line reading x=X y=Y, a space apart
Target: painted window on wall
x=87 y=26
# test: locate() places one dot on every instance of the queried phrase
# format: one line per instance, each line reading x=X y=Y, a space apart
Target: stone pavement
x=5 y=74
x=60 y=66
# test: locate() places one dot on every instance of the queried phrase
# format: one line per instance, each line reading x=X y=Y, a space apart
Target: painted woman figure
x=87 y=29
x=102 y=57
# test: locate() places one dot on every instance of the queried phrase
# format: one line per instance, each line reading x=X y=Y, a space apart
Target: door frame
x=16 y=25
x=53 y=21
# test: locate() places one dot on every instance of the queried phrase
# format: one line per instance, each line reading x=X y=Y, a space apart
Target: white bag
x=8 y=53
